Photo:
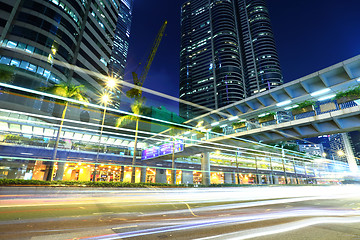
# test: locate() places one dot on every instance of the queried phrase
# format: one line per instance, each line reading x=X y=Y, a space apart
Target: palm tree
x=68 y=91
x=137 y=108
x=6 y=73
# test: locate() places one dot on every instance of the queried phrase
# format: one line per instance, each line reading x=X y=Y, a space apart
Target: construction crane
x=136 y=92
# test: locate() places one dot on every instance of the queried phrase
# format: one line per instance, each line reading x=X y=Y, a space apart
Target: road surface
x=269 y=212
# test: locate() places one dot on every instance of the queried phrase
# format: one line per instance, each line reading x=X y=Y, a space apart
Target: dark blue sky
x=310 y=35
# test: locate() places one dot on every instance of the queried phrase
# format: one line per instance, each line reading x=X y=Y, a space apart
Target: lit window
x=29 y=49
x=11 y=44
x=24 y=65
x=15 y=63
x=5 y=60
x=46 y=73
x=32 y=68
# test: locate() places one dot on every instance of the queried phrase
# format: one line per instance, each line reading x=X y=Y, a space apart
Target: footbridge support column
x=205 y=168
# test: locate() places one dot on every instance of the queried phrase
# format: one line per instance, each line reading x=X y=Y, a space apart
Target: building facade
x=227 y=53
x=121 y=40
x=42 y=38
x=312 y=149
x=354 y=138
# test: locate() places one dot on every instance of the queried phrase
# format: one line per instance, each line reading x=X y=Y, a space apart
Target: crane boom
x=140 y=81
x=137 y=92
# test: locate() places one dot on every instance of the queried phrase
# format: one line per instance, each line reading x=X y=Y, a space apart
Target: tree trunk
x=53 y=158
x=173 y=170
x=133 y=170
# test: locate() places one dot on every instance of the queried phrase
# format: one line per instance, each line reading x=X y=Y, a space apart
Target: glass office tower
x=122 y=39
x=227 y=53
x=74 y=32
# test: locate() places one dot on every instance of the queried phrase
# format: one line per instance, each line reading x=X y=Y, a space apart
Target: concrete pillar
x=259 y=179
x=205 y=168
x=160 y=176
x=228 y=178
x=60 y=171
x=276 y=180
x=143 y=175
x=187 y=177
x=268 y=179
x=122 y=173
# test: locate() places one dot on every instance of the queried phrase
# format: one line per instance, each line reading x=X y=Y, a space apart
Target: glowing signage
x=162 y=150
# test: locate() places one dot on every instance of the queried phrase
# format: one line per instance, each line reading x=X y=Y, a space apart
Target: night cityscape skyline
x=324 y=31
x=119 y=120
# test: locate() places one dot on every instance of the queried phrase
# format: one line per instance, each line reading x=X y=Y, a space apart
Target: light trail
x=333 y=216
x=121 y=82
x=211 y=209
x=260 y=232
x=75 y=68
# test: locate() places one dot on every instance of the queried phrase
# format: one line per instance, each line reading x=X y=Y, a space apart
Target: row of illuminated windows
x=258 y=9
x=199 y=89
x=22 y=46
x=258 y=18
x=48 y=132
x=225 y=32
x=68 y=10
x=102 y=15
x=264 y=57
x=25 y=47
x=198 y=52
x=30 y=67
x=199 y=11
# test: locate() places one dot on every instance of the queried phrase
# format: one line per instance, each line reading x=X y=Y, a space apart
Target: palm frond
x=67 y=91
x=6 y=73
x=124 y=120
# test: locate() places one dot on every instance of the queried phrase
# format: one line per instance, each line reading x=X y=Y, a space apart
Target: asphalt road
x=301 y=212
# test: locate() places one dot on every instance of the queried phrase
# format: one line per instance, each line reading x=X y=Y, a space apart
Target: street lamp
x=105 y=99
x=283 y=161
x=340 y=153
x=173 y=170
x=237 y=166
x=111 y=83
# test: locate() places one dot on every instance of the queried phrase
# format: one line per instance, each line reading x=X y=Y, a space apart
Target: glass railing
x=285 y=118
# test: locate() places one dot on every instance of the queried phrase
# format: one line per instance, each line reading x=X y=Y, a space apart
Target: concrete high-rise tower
x=227 y=53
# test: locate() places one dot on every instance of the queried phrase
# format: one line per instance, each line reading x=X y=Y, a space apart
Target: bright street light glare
x=105 y=98
x=111 y=83
x=340 y=153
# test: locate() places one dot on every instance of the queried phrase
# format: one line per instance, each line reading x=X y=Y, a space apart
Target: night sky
x=310 y=35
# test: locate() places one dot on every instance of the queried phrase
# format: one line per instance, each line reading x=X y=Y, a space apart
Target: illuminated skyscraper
x=122 y=39
x=227 y=53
